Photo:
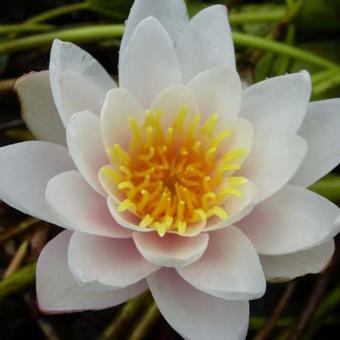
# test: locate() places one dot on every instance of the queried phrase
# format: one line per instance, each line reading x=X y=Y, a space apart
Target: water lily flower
x=177 y=180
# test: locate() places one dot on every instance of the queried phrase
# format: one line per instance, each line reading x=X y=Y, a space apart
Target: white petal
x=292 y=220
x=278 y=103
x=194 y=314
x=108 y=261
x=171 y=100
x=24 y=172
x=57 y=290
x=171 y=14
x=218 y=90
x=236 y=207
x=38 y=109
x=321 y=130
x=171 y=250
x=150 y=63
x=78 y=81
x=229 y=269
x=206 y=42
x=288 y=267
x=273 y=161
x=118 y=106
x=80 y=208
x=86 y=147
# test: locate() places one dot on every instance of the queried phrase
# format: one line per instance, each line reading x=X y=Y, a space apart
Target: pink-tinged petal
x=118 y=106
x=80 y=208
x=173 y=99
x=171 y=14
x=206 y=42
x=278 y=103
x=229 y=269
x=126 y=219
x=86 y=147
x=321 y=130
x=25 y=171
x=273 y=161
x=57 y=290
x=171 y=250
x=78 y=81
x=108 y=261
x=236 y=207
x=287 y=267
x=294 y=219
x=38 y=109
x=194 y=314
x=150 y=63
x=218 y=90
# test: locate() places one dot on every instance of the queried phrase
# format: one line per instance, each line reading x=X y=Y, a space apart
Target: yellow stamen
x=172 y=177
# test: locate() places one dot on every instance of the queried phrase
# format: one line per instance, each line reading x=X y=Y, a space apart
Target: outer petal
x=57 y=290
x=278 y=103
x=218 y=90
x=81 y=208
x=229 y=269
x=38 y=109
x=108 y=261
x=294 y=219
x=171 y=14
x=24 y=172
x=274 y=159
x=171 y=250
x=86 y=147
x=321 y=130
x=78 y=81
x=194 y=314
x=206 y=42
x=150 y=63
x=288 y=267
x=118 y=106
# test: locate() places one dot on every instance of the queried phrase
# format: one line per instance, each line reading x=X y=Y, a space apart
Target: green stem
x=256 y=17
x=131 y=309
x=323 y=75
x=332 y=81
x=246 y=40
x=283 y=62
x=328 y=187
x=79 y=35
x=7 y=29
x=17 y=281
x=56 y=12
x=149 y=319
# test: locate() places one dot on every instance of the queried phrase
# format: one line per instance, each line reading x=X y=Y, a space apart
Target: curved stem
x=328 y=187
x=246 y=40
x=17 y=281
x=6 y=29
x=79 y=35
x=56 y=12
x=256 y=17
x=150 y=318
x=328 y=83
x=129 y=312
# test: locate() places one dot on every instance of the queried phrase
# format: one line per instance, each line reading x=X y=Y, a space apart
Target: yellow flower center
x=176 y=176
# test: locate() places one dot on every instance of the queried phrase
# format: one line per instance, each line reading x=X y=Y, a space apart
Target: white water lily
x=177 y=180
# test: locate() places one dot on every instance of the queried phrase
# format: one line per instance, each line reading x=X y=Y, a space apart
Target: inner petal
x=175 y=175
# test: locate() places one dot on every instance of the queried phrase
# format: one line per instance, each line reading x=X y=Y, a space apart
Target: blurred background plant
x=271 y=38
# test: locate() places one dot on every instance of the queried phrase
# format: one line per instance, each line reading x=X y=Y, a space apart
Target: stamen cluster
x=175 y=176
